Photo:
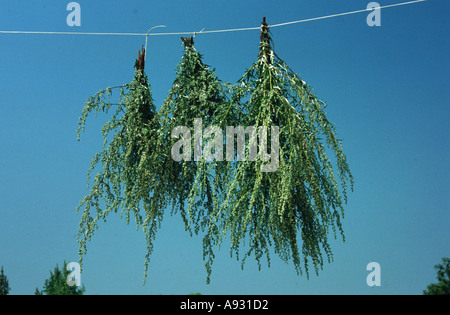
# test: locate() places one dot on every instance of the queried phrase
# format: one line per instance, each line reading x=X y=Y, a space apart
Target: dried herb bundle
x=293 y=207
x=124 y=181
x=194 y=182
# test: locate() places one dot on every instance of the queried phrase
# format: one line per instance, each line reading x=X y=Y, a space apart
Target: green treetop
x=4 y=284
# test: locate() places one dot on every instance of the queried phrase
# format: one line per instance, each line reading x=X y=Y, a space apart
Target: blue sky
x=387 y=93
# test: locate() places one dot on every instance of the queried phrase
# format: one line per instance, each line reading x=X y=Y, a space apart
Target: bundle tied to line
x=291 y=209
x=124 y=165
x=193 y=184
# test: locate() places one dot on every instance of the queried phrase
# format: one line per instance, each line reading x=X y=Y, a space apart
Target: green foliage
x=57 y=284
x=124 y=181
x=290 y=210
x=197 y=185
x=301 y=200
x=443 y=277
x=4 y=283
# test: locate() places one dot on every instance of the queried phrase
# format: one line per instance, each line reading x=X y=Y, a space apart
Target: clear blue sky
x=387 y=90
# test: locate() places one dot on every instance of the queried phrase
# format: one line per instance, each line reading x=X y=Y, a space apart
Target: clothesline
x=212 y=31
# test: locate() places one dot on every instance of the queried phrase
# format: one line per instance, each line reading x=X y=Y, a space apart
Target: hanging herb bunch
x=190 y=178
x=124 y=178
x=292 y=205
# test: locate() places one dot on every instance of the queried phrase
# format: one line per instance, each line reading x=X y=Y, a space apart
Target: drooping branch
x=125 y=177
x=293 y=207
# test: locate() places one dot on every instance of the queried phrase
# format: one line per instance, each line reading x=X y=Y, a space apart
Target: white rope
x=346 y=13
x=214 y=31
x=70 y=33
